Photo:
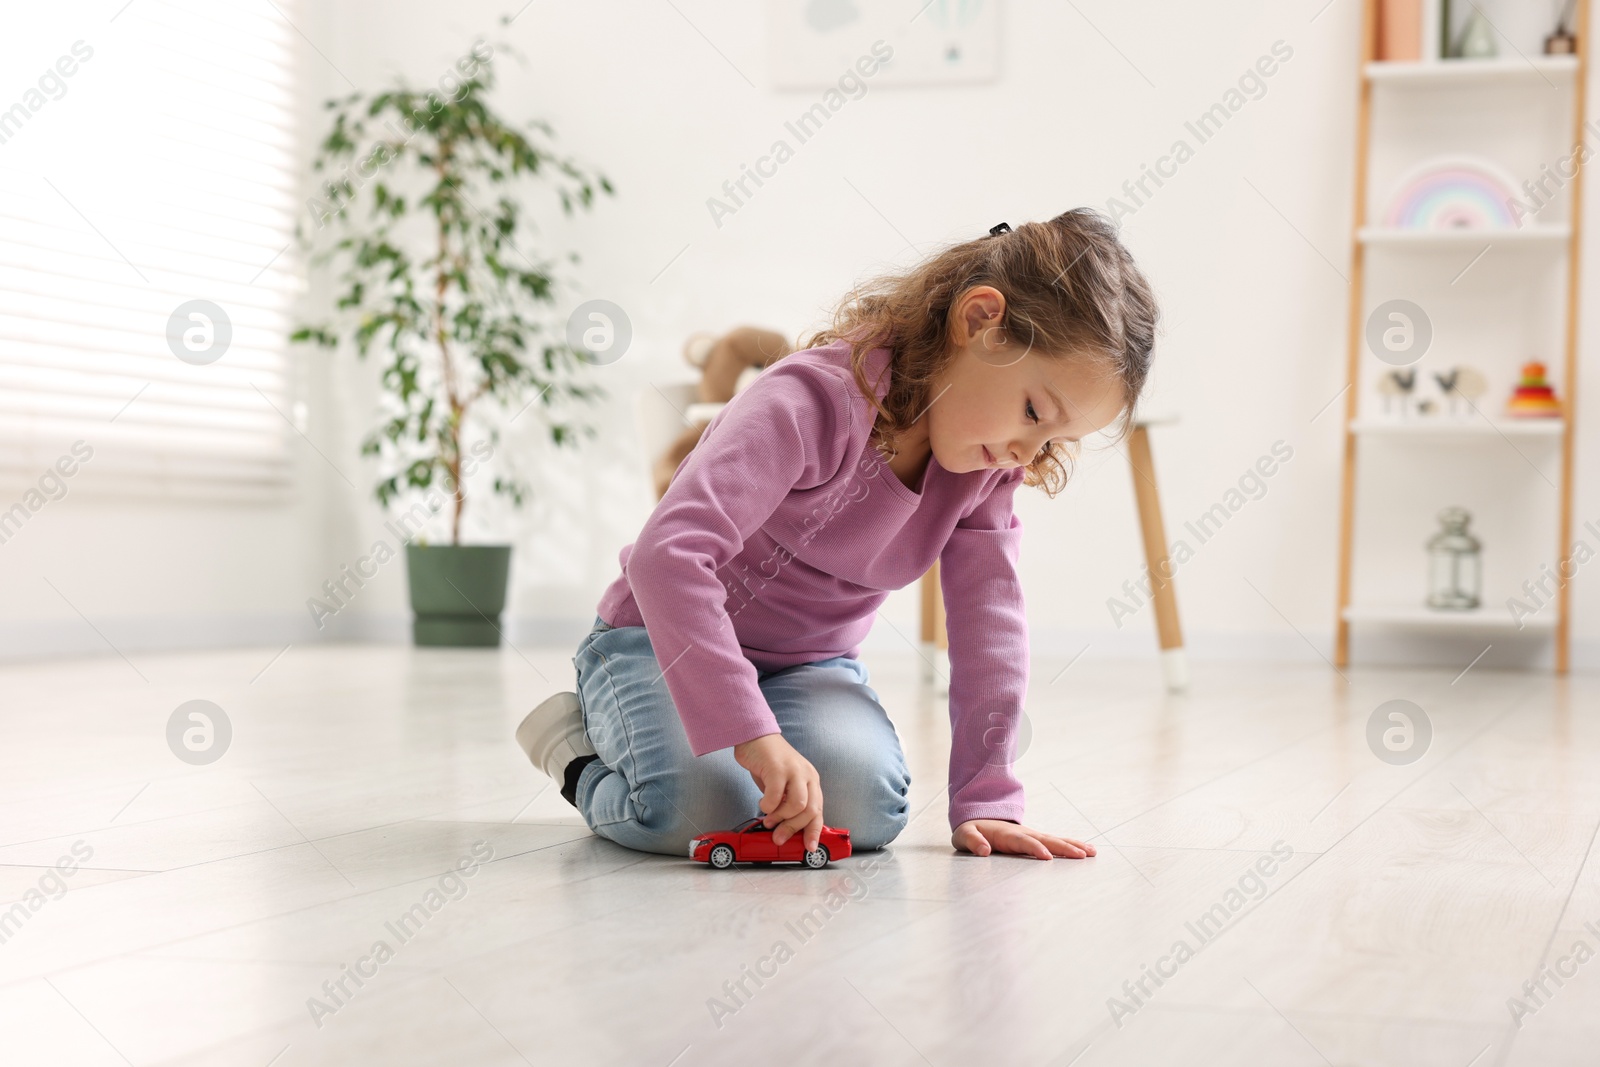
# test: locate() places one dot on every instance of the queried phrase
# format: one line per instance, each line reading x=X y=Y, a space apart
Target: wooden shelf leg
x=1353 y=338
x=1574 y=263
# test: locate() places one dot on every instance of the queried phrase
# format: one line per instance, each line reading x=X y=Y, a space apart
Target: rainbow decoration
x=1453 y=193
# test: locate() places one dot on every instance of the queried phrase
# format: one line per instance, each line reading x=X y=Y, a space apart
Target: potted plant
x=436 y=275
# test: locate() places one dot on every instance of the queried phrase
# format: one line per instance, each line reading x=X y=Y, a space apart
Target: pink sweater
x=787 y=524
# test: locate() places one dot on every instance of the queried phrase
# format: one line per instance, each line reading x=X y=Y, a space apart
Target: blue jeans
x=648 y=791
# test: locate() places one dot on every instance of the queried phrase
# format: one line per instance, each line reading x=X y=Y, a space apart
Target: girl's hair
x=1072 y=292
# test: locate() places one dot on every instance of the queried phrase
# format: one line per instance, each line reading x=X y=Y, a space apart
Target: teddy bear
x=728 y=364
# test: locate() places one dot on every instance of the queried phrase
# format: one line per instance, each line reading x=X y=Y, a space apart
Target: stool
x=1169 y=634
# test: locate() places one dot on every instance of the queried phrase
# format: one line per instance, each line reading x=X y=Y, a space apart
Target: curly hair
x=1070 y=287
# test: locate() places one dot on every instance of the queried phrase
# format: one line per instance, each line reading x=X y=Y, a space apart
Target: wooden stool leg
x=933 y=632
x=1174 y=665
x=935 y=640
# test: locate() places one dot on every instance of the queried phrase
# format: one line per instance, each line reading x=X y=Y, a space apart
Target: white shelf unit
x=1465 y=71
x=1496 y=298
x=1555 y=235
x=1489 y=618
x=1452 y=428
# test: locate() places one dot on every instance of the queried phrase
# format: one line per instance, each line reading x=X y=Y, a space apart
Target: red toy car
x=751 y=842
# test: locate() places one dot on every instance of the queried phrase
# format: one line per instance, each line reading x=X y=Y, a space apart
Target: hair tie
x=996 y=231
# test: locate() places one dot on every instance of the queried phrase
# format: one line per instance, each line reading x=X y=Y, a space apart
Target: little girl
x=721 y=675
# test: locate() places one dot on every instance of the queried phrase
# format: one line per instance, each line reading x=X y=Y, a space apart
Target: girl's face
x=998 y=404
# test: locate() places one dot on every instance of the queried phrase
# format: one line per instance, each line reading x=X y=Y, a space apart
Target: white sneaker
x=553 y=736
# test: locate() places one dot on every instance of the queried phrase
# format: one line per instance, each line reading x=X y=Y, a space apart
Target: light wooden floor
x=1415 y=900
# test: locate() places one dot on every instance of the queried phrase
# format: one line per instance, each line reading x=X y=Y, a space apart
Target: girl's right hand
x=791 y=790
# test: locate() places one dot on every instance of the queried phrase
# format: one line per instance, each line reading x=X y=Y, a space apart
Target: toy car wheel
x=817 y=857
x=721 y=857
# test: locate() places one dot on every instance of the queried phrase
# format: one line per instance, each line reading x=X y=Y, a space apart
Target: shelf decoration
x=1477 y=38
x=1400 y=30
x=1397 y=384
x=1562 y=41
x=1465 y=383
x=1458 y=387
x=1450 y=193
x=1533 y=397
x=1447 y=385
x=1455 y=564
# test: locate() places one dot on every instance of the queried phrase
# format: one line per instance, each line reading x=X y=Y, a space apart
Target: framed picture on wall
x=811 y=43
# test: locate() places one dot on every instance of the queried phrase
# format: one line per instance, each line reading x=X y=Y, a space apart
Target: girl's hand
x=982 y=836
x=791 y=790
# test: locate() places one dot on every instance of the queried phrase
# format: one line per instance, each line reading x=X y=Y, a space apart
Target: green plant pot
x=457 y=593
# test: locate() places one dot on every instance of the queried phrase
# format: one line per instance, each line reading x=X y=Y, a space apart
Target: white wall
x=1246 y=246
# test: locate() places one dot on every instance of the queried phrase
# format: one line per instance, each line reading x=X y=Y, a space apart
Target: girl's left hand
x=982 y=836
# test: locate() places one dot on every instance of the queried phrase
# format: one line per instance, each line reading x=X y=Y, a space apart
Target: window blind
x=146 y=267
